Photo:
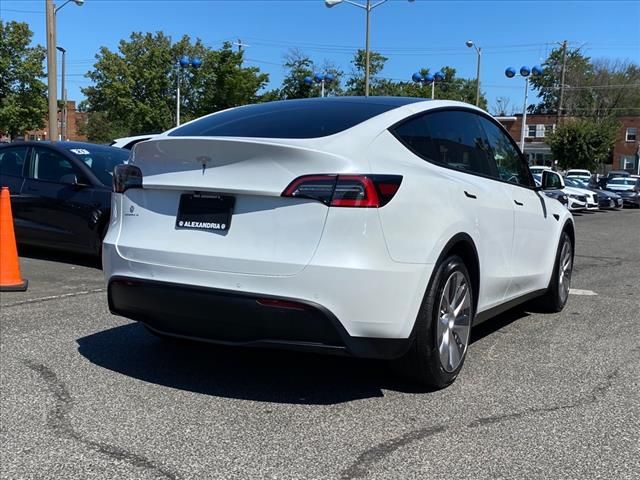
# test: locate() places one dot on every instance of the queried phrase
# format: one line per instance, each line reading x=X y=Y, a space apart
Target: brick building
x=625 y=151
x=74 y=118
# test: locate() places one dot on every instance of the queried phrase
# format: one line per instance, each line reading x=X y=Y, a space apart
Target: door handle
x=518 y=203
x=469 y=195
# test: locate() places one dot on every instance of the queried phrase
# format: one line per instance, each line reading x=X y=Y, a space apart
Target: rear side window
x=511 y=167
x=49 y=165
x=452 y=139
x=12 y=161
x=285 y=119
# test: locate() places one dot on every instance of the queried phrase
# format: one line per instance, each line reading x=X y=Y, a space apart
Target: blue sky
x=425 y=33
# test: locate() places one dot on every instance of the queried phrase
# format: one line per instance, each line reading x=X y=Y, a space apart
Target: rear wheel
x=557 y=294
x=443 y=326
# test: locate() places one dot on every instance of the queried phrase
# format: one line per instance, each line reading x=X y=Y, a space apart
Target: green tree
x=23 y=101
x=355 y=84
x=135 y=87
x=298 y=66
x=547 y=85
x=221 y=82
x=583 y=143
x=592 y=88
x=451 y=88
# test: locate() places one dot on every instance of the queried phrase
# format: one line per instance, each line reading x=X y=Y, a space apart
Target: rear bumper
x=631 y=200
x=233 y=318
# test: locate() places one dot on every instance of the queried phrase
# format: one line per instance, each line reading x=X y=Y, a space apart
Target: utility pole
x=63 y=119
x=51 y=71
x=241 y=46
x=562 y=75
x=367 y=52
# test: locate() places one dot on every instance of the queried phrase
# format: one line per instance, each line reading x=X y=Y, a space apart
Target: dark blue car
x=60 y=192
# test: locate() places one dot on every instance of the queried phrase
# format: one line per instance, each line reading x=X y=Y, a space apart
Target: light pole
x=183 y=63
x=470 y=44
x=368 y=7
x=510 y=72
x=51 y=12
x=428 y=79
x=63 y=120
x=320 y=79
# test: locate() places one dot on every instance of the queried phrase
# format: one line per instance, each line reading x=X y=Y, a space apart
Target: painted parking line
x=577 y=291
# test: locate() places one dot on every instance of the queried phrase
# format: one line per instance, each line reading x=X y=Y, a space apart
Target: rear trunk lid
x=264 y=233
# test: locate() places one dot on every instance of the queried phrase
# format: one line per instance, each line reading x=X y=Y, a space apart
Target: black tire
x=423 y=363
x=557 y=294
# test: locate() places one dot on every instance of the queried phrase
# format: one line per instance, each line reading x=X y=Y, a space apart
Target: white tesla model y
x=375 y=227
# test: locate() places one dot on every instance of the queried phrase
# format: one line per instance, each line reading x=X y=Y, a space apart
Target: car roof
x=60 y=144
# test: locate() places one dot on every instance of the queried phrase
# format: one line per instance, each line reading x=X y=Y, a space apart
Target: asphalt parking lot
x=85 y=394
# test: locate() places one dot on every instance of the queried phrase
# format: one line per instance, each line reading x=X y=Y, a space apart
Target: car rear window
x=622 y=181
x=309 y=118
x=100 y=159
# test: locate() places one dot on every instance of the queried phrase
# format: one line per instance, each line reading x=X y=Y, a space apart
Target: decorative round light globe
x=429 y=78
x=308 y=80
x=317 y=77
x=439 y=76
x=536 y=70
x=196 y=62
x=510 y=72
x=328 y=78
x=184 y=61
x=469 y=43
x=416 y=77
x=525 y=71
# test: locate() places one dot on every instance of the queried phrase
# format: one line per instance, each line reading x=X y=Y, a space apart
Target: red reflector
x=272 y=302
x=388 y=188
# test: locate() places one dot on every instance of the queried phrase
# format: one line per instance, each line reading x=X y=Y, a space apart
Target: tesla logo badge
x=131 y=209
x=204 y=160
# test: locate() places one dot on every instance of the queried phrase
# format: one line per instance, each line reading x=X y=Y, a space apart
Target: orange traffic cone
x=10 y=279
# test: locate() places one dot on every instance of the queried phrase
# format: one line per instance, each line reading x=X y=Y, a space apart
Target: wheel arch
x=571 y=231
x=463 y=245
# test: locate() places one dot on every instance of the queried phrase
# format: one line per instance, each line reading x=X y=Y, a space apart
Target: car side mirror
x=72 y=179
x=551 y=180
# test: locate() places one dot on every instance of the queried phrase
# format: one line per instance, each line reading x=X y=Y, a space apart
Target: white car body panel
x=368 y=266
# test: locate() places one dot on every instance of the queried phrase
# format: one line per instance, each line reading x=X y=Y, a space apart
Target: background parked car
x=628 y=188
x=538 y=169
x=611 y=175
x=606 y=199
x=60 y=192
x=578 y=173
x=576 y=199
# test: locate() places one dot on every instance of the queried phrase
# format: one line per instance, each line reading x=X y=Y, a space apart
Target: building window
x=628 y=162
x=531 y=131
x=632 y=135
x=549 y=129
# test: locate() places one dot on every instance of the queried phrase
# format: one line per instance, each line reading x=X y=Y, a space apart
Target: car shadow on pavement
x=258 y=374
x=264 y=375
x=497 y=323
x=60 y=256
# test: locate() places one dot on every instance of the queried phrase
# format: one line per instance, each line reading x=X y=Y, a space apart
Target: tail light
x=126 y=177
x=368 y=191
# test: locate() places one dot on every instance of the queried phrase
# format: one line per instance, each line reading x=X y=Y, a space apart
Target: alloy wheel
x=565 y=266
x=454 y=321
